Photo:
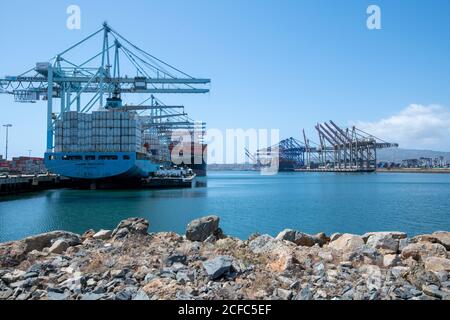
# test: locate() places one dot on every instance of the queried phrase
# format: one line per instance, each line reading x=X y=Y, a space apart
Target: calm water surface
x=247 y=203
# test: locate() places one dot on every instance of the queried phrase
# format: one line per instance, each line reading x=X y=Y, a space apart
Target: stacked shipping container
x=101 y=131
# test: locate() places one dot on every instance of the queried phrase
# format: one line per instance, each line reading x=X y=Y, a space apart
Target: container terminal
x=95 y=137
x=338 y=150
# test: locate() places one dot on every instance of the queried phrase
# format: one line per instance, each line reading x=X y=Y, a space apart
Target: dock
x=17 y=184
x=14 y=184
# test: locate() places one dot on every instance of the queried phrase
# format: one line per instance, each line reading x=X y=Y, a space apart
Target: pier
x=29 y=183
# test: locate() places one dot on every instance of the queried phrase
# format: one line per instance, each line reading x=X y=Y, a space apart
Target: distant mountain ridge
x=399 y=154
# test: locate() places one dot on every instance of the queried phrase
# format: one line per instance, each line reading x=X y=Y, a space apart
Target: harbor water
x=246 y=203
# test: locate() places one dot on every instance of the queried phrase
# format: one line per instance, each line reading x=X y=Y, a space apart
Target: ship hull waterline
x=100 y=165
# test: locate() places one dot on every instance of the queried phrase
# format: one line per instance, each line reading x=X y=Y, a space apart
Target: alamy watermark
x=73 y=21
x=374 y=19
x=232 y=146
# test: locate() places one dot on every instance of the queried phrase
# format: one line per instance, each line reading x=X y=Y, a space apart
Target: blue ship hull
x=100 y=165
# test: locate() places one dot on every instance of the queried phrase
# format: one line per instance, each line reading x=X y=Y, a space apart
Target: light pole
x=7 y=126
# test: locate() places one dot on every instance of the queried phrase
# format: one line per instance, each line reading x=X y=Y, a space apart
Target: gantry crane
x=339 y=149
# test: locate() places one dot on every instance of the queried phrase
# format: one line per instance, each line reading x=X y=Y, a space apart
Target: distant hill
x=398 y=154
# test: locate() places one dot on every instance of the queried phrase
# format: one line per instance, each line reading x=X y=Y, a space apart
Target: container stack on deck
x=100 y=131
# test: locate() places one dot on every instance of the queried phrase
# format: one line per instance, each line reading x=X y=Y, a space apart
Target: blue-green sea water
x=247 y=202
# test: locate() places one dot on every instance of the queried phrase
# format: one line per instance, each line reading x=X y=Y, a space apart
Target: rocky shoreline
x=128 y=263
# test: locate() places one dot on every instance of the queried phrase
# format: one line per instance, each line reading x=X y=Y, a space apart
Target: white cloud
x=415 y=127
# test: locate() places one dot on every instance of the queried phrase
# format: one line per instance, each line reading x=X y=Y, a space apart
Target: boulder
x=282 y=263
x=141 y=295
x=299 y=238
x=284 y=294
x=425 y=238
x=363 y=255
x=201 y=229
x=302 y=239
x=433 y=291
x=88 y=234
x=321 y=238
x=262 y=243
x=399 y=271
x=103 y=235
x=347 y=243
x=444 y=238
x=44 y=240
x=420 y=277
x=392 y=234
x=391 y=260
x=176 y=257
x=422 y=250
x=335 y=236
x=131 y=226
x=59 y=246
x=384 y=241
x=436 y=264
x=13 y=253
x=217 y=267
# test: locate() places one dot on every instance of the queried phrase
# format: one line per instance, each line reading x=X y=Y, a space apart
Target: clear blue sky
x=273 y=64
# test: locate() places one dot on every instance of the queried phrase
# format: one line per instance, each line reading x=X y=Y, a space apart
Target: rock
x=403 y=243
x=335 y=236
x=305 y=294
x=443 y=237
x=263 y=243
x=282 y=263
x=149 y=277
x=321 y=239
x=58 y=247
x=132 y=226
x=347 y=243
x=13 y=253
x=41 y=241
x=177 y=257
x=284 y=294
x=103 y=235
x=391 y=260
x=390 y=234
x=436 y=264
x=13 y=277
x=372 y=275
x=363 y=255
x=299 y=238
x=184 y=277
x=6 y=293
x=302 y=239
x=217 y=267
x=92 y=296
x=383 y=241
x=141 y=295
x=201 y=229
x=126 y=294
x=88 y=234
x=439 y=237
x=419 y=277
x=23 y=283
x=420 y=251
x=399 y=271
x=433 y=291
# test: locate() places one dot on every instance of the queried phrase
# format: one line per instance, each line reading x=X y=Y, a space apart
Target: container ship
x=117 y=144
x=103 y=145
